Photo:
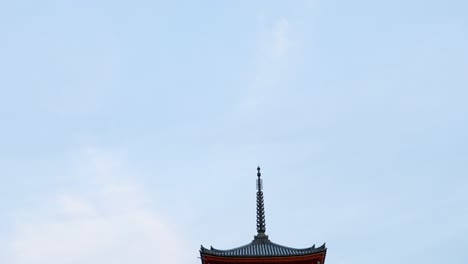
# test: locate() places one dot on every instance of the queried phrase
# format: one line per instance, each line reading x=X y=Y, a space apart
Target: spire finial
x=260 y=208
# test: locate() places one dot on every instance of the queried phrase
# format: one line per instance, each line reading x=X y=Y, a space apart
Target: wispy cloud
x=280 y=41
x=311 y=3
x=111 y=224
x=271 y=62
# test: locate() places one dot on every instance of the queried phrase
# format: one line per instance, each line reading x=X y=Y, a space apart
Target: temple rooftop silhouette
x=261 y=249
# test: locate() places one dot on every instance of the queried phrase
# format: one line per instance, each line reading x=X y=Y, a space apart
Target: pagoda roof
x=262 y=247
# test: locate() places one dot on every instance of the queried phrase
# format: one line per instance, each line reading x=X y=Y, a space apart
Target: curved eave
x=263 y=250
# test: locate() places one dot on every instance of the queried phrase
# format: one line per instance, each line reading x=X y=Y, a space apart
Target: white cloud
x=76 y=207
x=111 y=224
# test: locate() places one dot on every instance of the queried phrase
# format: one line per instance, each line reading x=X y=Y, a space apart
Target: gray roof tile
x=262 y=248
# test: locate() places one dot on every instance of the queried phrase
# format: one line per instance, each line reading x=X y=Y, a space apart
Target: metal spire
x=260 y=208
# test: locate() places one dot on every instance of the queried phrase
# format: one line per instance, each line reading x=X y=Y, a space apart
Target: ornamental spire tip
x=260 y=207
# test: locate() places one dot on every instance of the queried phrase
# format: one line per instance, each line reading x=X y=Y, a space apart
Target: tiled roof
x=262 y=248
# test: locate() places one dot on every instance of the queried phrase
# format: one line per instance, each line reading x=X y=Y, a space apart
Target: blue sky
x=131 y=131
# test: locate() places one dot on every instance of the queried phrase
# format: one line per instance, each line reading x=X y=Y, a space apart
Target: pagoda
x=261 y=250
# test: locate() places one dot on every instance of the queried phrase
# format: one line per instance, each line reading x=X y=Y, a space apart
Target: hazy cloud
x=280 y=42
x=311 y=3
x=271 y=61
x=110 y=224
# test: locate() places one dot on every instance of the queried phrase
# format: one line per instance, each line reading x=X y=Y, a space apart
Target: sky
x=131 y=130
